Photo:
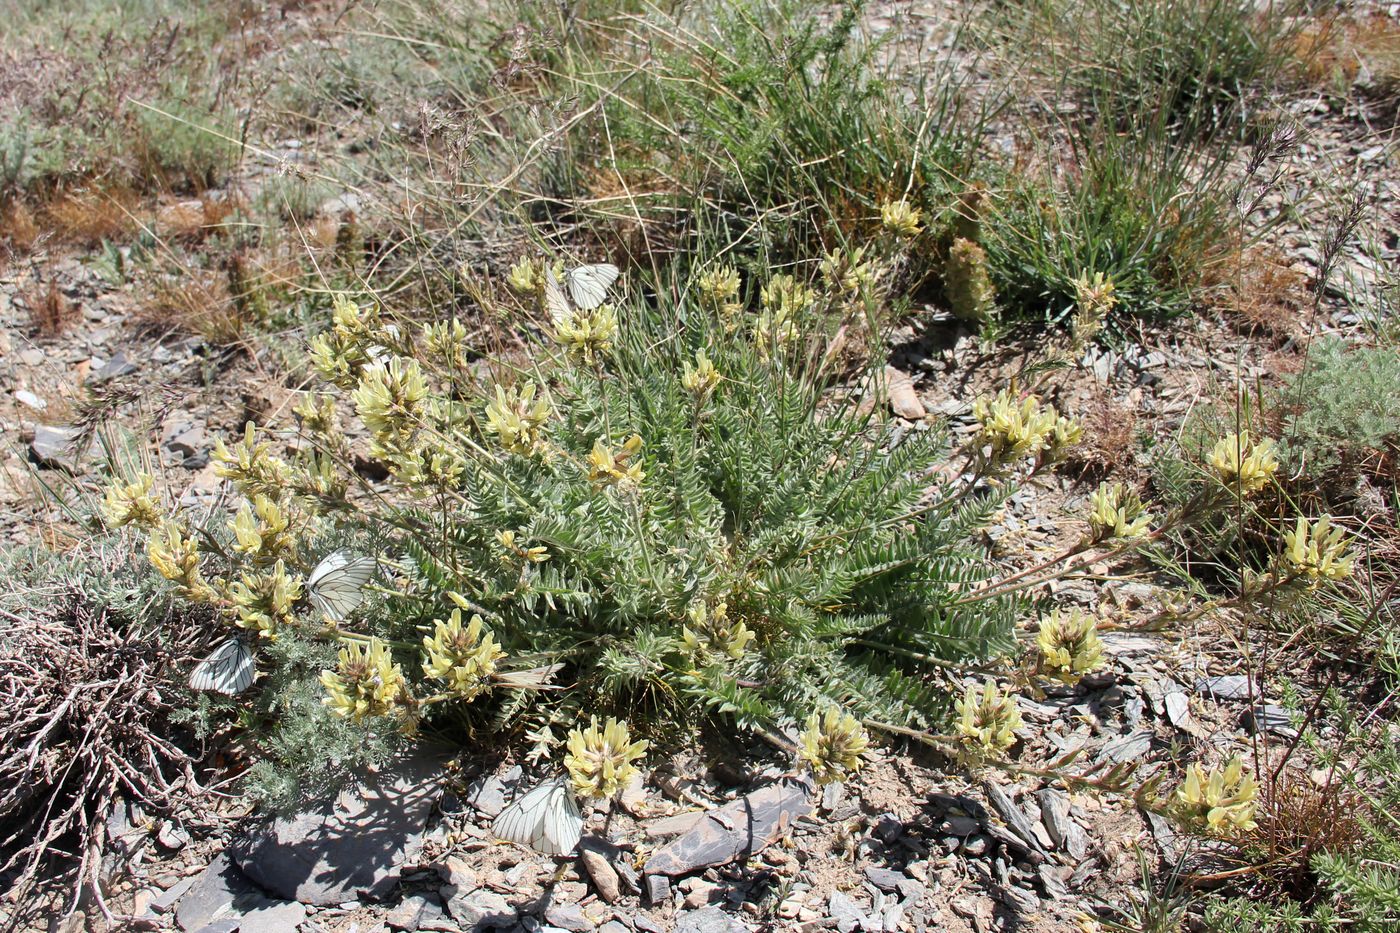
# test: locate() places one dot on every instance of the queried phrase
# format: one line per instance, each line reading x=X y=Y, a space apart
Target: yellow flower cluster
x=1094 y=299
x=365 y=683
x=321 y=479
x=263 y=600
x=783 y=300
x=527 y=276
x=832 y=744
x=317 y=414
x=1012 y=430
x=719 y=292
x=514 y=553
x=611 y=468
x=586 y=334
x=131 y=504
x=251 y=466
x=1247 y=472
x=701 y=379
x=987 y=719
x=1317 y=552
x=348 y=347
x=390 y=401
x=711 y=633
x=462 y=658
x=785 y=296
x=900 y=219
x=1069 y=646
x=599 y=762
x=516 y=417
x=261 y=531
x=176 y=557
x=846 y=272
x=447 y=341
x=1218 y=802
x=1117 y=512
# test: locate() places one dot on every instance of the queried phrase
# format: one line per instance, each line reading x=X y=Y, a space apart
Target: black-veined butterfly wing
x=337 y=586
x=228 y=670
x=546 y=819
x=588 y=285
x=554 y=301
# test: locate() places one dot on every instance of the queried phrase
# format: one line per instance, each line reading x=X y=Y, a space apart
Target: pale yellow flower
x=701 y=379
x=365 y=683
x=614 y=468
x=131 y=503
x=988 y=719
x=1069 y=645
x=1012 y=429
x=251 y=465
x=599 y=762
x=587 y=334
x=1240 y=465
x=832 y=744
x=1317 y=552
x=710 y=632
x=261 y=531
x=1218 y=802
x=1117 y=512
x=263 y=601
x=516 y=417
x=514 y=553
x=901 y=219
x=175 y=556
x=463 y=658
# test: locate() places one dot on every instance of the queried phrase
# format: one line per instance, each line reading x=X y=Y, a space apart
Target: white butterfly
x=337 y=585
x=228 y=669
x=588 y=285
x=546 y=819
x=554 y=301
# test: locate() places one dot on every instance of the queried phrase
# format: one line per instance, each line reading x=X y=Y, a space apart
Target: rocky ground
x=912 y=843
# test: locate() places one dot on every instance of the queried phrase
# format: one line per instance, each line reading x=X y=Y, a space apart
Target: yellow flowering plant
x=831 y=745
x=1219 y=802
x=600 y=761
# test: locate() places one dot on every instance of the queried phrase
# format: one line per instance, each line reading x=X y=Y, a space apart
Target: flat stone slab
x=739 y=828
x=335 y=850
x=220 y=892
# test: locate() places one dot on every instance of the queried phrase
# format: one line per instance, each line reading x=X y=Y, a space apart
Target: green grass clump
x=1195 y=61
x=771 y=109
x=1148 y=214
x=137 y=97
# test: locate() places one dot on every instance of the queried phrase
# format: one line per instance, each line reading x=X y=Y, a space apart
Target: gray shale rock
x=739 y=828
x=335 y=849
x=1226 y=687
x=220 y=892
x=709 y=920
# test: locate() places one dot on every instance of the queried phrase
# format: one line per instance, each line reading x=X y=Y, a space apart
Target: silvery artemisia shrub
x=677 y=525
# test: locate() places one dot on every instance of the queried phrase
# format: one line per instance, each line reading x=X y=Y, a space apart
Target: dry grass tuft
x=50 y=311
x=1343 y=52
x=1109 y=431
x=87 y=216
x=1269 y=298
x=1298 y=820
x=83 y=725
x=18 y=230
x=195 y=302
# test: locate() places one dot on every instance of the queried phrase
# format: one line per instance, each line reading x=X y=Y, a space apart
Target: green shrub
x=691 y=544
x=1342 y=411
